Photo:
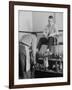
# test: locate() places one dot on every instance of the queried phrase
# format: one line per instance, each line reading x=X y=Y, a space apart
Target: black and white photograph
x=40 y=36
x=39 y=49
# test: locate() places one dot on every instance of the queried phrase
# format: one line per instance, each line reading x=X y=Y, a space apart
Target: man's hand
x=54 y=35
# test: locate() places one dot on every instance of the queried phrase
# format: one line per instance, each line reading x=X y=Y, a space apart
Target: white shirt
x=50 y=30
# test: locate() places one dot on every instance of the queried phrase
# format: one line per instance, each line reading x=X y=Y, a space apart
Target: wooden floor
x=48 y=74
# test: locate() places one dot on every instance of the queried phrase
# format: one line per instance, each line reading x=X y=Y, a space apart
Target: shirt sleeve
x=45 y=31
x=56 y=29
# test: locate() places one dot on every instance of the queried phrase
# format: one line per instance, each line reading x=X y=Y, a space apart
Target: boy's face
x=50 y=20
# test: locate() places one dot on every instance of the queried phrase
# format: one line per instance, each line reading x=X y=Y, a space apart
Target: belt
x=24 y=44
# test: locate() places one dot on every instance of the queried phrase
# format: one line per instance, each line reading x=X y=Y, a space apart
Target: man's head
x=50 y=19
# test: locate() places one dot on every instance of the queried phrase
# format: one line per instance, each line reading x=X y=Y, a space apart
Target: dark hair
x=50 y=17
